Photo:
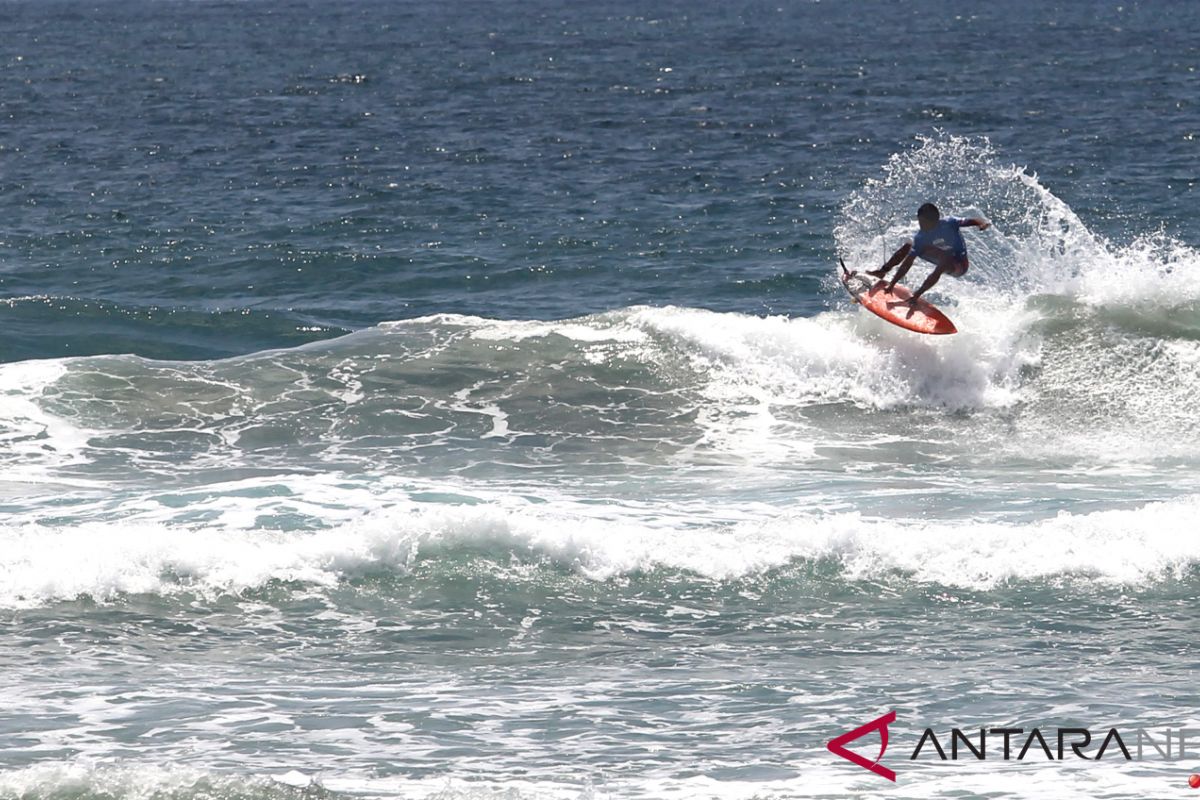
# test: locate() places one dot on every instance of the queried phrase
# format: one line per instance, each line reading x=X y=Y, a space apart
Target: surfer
x=938 y=242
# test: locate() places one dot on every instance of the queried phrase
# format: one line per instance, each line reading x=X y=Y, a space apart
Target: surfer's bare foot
x=877 y=273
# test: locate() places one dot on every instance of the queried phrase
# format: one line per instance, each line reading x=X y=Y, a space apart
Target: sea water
x=408 y=399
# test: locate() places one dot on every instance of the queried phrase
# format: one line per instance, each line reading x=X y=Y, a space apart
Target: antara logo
x=1172 y=746
x=838 y=746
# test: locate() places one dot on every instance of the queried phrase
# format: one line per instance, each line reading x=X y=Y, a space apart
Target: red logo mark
x=838 y=746
x=1194 y=781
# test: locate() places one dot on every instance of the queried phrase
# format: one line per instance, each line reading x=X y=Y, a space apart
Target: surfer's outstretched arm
x=896 y=258
x=975 y=222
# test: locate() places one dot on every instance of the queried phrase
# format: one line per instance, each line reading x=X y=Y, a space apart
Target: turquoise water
x=405 y=400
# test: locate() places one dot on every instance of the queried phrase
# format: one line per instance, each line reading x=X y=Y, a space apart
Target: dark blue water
x=200 y=179
x=402 y=399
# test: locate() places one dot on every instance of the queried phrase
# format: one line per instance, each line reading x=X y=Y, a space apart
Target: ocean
x=457 y=400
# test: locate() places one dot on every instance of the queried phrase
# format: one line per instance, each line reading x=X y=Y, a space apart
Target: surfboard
x=893 y=306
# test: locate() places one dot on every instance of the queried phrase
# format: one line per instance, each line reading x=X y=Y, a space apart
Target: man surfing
x=939 y=242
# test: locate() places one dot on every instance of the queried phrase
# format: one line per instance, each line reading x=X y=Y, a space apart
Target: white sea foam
x=819 y=776
x=31 y=437
x=88 y=778
x=150 y=553
x=517 y=330
x=842 y=355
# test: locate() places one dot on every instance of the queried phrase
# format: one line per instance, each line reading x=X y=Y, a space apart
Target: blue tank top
x=943 y=237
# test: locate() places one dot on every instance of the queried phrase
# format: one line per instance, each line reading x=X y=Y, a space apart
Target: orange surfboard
x=893 y=306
